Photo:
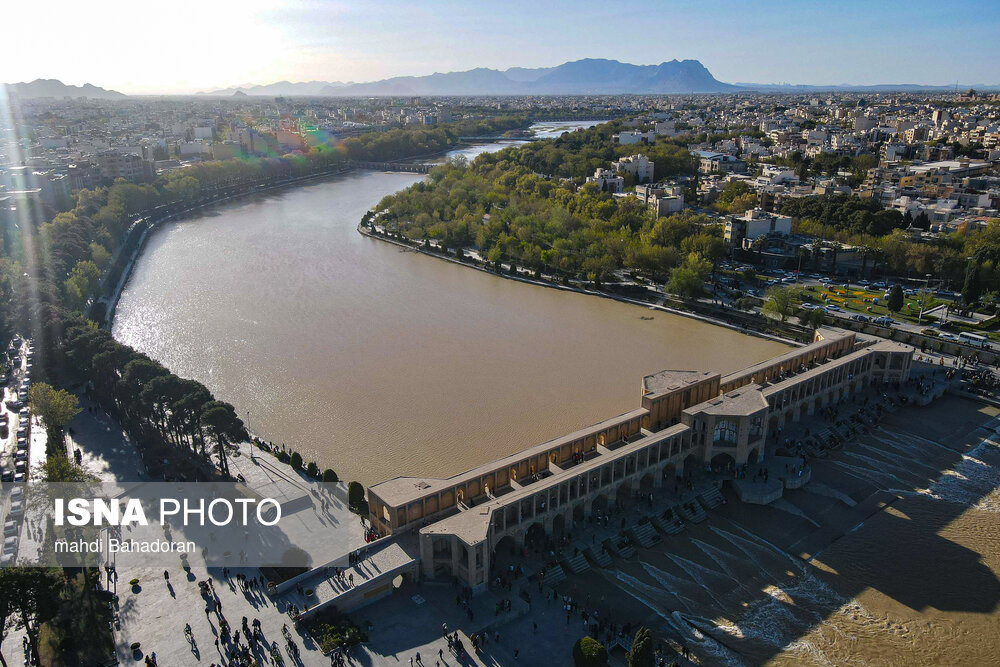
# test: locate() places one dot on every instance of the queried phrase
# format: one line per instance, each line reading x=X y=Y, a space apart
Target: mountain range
x=305 y=88
x=58 y=89
x=579 y=77
x=590 y=76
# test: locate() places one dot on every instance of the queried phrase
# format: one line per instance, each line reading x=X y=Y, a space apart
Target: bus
x=973 y=339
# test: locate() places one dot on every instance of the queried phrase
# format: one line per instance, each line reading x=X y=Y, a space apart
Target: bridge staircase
x=711 y=498
x=554 y=575
x=691 y=511
x=599 y=557
x=577 y=564
x=669 y=524
x=621 y=546
x=645 y=534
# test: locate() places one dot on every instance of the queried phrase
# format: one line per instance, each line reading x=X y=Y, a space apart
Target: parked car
x=948 y=336
x=833 y=308
x=9 y=528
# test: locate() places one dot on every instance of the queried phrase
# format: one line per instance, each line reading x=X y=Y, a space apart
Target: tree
x=355 y=494
x=61 y=469
x=781 y=302
x=29 y=596
x=641 y=654
x=972 y=287
x=55 y=407
x=895 y=301
x=225 y=427
x=296 y=460
x=813 y=318
x=924 y=298
x=312 y=469
x=688 y=279
x=329 y=476
x=588 y=652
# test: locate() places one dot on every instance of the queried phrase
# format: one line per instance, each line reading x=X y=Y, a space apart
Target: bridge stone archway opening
x=723 y=463
x=646 y=484
x=558 y=526
x=535 y=538
x=599 y=506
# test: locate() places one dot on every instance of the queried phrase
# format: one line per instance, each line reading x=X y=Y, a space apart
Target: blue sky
x=191 y=45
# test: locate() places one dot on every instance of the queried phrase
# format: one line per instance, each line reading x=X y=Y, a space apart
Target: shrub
x=312 y=469
x=355 y=494
x=296 y=460
x=283 y=457
x=588 y=652
x=329 y=476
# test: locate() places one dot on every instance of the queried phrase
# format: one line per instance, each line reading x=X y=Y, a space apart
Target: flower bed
x=331 y=630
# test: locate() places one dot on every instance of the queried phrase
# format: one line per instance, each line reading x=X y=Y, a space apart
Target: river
x=379 y=362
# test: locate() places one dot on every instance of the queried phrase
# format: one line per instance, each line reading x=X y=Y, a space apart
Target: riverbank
x=580 y=290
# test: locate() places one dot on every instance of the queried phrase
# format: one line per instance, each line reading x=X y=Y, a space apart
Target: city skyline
x=201 y=47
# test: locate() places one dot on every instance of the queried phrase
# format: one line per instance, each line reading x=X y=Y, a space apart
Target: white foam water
x=974 y=482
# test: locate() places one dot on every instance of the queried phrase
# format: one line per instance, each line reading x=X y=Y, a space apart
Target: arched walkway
x=723 y=463
x=646 y=483
x=535 y=538
x=558 y=526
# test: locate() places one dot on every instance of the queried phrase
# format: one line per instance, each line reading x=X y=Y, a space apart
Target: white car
x=16 y=508
x=948 y=336
x=808 y=306
x=10 y=528
x=833 y=309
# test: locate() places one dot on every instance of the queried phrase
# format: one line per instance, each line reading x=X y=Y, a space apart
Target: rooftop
x=743 y=401
x=671 y=380
x=400 y=490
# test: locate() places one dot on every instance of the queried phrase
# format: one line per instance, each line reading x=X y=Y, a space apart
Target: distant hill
x=58 y=89
x=590 y=76
x=579 y=77
x=281 y=88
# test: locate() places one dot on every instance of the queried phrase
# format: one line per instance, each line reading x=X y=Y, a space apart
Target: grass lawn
x=859 y=300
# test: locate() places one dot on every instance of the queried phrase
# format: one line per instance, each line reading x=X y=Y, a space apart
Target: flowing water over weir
x=733 y=592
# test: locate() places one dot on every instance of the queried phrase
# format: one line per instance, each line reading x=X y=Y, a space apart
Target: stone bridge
x=414 y=168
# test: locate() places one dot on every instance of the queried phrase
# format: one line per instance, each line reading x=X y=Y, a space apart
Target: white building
x=635 y=137
x=743 y=230
x=639 y=166
x=607 y=181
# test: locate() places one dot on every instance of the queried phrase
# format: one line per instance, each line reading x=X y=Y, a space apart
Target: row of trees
x=161 y=411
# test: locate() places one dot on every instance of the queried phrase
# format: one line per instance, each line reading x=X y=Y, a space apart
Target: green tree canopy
x=588 y=652
x=895 y=301
x=641 y=654
x=55 y=407
x=29 y=596
x=781 y=302
x=688 y=279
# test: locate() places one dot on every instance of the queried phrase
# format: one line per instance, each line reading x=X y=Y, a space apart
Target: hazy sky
x=175 y=46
